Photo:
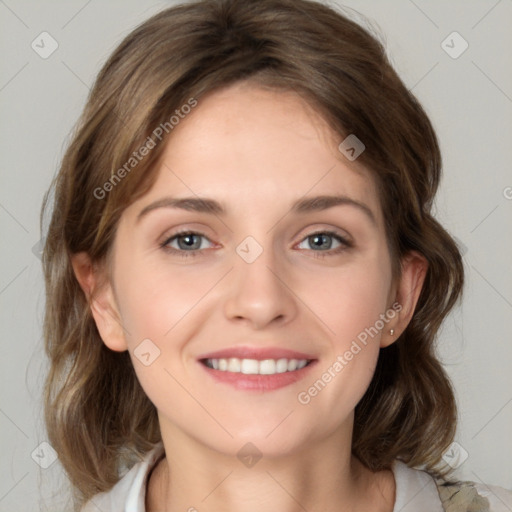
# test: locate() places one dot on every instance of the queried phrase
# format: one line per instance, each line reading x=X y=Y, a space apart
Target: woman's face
x=268 y=274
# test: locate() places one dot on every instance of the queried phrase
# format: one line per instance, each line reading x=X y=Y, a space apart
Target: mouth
x=255 y=366
x=260 y=369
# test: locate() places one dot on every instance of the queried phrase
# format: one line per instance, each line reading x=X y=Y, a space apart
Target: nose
x=259 y=293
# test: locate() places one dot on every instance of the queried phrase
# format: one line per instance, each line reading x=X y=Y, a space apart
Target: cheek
x=159 y=309
x=351 y=300
x=155 y=301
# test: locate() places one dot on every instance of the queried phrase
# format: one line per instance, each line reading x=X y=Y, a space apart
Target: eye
x=190 y=243
x=186 y=243
x=322 y=242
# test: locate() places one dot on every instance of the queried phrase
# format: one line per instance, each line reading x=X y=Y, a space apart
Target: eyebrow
x=304 y=205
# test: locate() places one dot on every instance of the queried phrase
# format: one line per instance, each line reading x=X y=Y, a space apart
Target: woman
x=244 y=278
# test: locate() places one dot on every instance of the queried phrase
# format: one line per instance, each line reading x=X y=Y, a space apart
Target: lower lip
x=258 y=382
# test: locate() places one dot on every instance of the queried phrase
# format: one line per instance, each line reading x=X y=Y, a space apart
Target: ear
x=414 y=270
x=101 y=301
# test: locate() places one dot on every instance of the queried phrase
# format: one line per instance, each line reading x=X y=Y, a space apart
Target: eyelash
x=345 y=244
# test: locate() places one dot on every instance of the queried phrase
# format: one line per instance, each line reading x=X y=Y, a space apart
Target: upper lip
x=259 y=353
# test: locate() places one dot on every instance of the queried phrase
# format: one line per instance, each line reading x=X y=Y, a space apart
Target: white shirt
x=416 y=490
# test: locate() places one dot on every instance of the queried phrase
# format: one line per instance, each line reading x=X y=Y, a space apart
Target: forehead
x=245 y=145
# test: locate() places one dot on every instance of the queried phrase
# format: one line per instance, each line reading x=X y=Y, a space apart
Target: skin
x=255 y=151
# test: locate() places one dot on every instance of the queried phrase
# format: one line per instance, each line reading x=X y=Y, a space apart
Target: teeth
x=267 y=367
x=234 y=365
x=292 y=365
x=301 y=363
x=249 y=366
x=255 y=367
x=281 y=365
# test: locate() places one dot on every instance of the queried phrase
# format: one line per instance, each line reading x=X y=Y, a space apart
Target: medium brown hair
x=97 y=415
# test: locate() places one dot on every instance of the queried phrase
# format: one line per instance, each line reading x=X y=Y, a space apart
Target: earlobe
x=414 y=271
x=102 y=302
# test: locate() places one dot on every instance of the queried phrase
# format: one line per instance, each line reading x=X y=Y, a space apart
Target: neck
x=322 y=476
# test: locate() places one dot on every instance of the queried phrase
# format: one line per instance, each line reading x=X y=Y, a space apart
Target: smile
x=256 y=367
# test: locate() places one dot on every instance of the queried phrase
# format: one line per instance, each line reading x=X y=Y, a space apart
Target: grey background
x=469 y=100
